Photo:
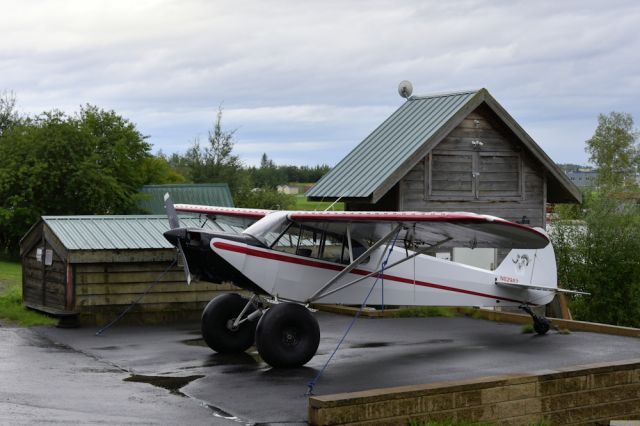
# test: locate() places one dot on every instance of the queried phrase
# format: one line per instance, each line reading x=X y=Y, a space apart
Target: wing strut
x=357 y=280
x=323 y=293
x=356 y=262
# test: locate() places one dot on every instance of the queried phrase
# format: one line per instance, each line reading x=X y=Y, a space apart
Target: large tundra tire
x=217 y=324
x=287 y=336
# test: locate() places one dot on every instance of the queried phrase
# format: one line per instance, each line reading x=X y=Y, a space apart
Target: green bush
x=601 y=255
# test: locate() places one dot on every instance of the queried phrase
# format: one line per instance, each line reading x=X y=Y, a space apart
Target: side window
x=317 y=243
x=310 y=242
x=333 y=248
x=288 y=240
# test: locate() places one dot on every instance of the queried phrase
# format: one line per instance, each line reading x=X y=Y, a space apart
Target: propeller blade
x=171 y=212
x=187 y=274
x=174 y=223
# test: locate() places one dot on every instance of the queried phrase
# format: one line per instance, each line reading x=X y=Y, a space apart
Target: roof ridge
x=103 y=217
x=444 y=94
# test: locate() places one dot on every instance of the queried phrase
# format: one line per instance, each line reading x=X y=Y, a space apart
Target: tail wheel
x=287 y=336
x=541 y=325
x=217 y=324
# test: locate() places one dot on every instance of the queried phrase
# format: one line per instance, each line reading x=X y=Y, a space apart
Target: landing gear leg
x=540 y=324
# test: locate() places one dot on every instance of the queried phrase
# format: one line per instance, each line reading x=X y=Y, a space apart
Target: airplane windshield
x=269 y=228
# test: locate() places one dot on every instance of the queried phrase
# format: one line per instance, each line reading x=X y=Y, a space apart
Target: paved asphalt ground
x=69 y=376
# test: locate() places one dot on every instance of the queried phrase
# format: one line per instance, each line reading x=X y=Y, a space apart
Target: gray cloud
x=307 y=81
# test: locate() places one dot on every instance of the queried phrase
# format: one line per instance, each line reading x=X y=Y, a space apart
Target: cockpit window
x=319 y=242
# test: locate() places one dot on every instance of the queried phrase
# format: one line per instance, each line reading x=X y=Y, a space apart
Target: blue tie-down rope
x=311 y=385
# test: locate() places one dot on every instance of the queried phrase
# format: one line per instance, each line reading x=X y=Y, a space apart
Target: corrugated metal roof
x=122 y=232
x=208 y=194
x=381 y=153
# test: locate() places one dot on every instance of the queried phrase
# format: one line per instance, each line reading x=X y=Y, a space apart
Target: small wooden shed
x=94 y=266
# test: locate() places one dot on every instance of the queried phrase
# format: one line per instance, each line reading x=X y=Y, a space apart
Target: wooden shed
x=94 y=266
x=457 y=151
x=449 y=152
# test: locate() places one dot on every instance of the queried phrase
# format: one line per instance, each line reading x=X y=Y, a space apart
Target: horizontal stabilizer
x=538 y=287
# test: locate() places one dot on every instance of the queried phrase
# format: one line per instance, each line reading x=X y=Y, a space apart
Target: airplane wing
x=449 y=229
x=227 y=219
x=223 y=211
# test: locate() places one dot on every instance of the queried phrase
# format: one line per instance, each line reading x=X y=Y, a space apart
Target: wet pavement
x=166 y=375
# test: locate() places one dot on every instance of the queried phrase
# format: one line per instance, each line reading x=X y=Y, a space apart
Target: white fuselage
x=422 y=280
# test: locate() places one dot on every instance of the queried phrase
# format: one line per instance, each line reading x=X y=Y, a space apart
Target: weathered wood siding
x=44 y=285
x=479 y=167
x=102 y=290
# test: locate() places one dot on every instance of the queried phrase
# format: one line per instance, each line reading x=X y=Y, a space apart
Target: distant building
x=288 y=189
x=583 y=178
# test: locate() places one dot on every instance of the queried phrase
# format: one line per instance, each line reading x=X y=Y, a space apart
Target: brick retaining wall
x=575 y=395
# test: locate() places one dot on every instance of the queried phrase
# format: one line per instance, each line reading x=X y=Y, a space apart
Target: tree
x=268 y=175
x=614 y=150
x=8 y=114
x=156 y=170
x=600 y=255
x=214 y=162
x=54 y=164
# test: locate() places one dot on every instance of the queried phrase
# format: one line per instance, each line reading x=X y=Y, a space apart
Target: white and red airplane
x=290 y=259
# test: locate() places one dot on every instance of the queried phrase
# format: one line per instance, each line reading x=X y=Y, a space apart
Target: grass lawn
x=11 y=308
x=303 y=204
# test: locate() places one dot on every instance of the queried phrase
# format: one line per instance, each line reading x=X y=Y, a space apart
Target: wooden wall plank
x=125 y=256
x=149 y=298
x=126 y=277
x=138 y=288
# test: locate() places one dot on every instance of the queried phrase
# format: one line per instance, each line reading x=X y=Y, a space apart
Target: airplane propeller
x=174 y=223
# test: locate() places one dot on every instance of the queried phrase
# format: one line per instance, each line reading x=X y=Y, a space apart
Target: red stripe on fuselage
x=315 y=264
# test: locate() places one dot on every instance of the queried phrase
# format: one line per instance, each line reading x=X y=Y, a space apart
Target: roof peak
x=444 y=94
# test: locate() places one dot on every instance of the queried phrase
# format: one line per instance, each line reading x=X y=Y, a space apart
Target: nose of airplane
x=175 y=235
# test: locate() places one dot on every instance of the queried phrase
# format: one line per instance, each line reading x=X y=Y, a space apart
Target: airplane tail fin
x=529 y=267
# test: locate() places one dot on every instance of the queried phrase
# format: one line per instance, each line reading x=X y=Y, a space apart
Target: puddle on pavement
x=369 y=345
x=439 y=341
x=106 y=348
x=384 y=344
x=172 y=384
x=194 y=342
x=99 y=370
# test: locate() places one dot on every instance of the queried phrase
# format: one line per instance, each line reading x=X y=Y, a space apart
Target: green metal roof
x=122 y=232
x=208 y=194
x=388 y=148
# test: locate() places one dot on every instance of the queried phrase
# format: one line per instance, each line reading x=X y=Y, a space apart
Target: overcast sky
x=306 y=81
